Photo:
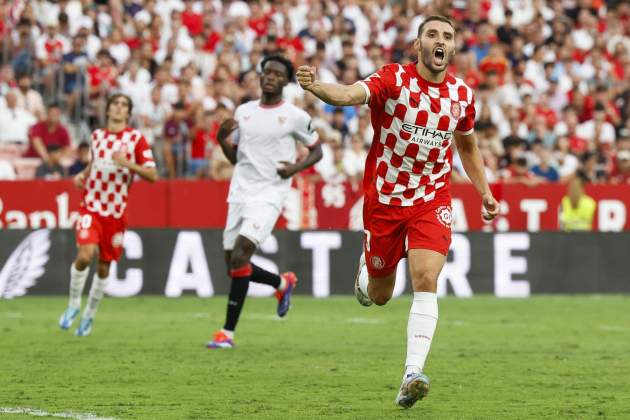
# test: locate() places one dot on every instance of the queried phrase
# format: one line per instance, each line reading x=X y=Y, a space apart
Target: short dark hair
x=282 y=60
x=115 y=96
x=432 y=18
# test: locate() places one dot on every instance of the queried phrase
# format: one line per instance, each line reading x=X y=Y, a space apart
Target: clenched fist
x=306 y=76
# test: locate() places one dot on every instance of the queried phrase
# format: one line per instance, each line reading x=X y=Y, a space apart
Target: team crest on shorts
x=117 y=239
x=377 y=262
x=444 y=216
x=83 y=234
x=456 y=110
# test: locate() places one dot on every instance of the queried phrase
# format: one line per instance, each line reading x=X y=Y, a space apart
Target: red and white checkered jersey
x=413 y=122
x=107 y=185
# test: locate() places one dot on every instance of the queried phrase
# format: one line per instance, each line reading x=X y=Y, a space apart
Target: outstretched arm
x=331 y=93
x=473 y=165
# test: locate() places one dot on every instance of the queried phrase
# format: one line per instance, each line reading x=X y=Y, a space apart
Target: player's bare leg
x=424 y=266
x=97 y=290
x=78 y=275
x=242 y=271
x=369 y=290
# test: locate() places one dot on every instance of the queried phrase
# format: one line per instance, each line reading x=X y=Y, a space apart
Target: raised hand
x=305 y=76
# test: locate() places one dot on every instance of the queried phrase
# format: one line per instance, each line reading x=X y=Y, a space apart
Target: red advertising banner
x=202 y=204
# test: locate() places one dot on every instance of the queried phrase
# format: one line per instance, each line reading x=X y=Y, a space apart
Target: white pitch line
x=41 y=413
x=364 y=321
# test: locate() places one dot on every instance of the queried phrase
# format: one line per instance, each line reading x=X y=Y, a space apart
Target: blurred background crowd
x=552 y=79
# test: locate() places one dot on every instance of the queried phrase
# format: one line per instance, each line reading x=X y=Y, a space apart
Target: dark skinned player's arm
x=225 y=130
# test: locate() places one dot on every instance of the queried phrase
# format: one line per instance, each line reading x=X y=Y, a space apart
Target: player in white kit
x=263 y=149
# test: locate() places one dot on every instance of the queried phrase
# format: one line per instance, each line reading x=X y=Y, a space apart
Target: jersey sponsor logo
x=148 y=154
x=282 y=120
x=456 y=110
x=426 y=136
x=444 y=216
x=377 y=262
x=246 y=117
x=117 y=239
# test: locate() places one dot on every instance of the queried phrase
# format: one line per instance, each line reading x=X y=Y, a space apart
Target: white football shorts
x=255 y=221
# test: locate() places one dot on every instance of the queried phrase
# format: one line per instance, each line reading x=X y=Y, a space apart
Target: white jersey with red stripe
x=107 y=185
x=413 y=120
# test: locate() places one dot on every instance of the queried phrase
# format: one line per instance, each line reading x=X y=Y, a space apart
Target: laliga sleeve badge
x=456 y=110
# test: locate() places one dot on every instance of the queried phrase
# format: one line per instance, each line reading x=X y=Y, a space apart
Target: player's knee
x=84 y=258
x=102 y=270
x=239 y=258
x=381 y=299
x=423 y=281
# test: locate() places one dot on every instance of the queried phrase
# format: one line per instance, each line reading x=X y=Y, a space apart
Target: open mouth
x=439 y=55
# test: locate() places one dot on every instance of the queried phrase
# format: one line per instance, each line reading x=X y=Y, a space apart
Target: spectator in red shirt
x=495 y=61
x=49 y=132
x=191 y=20
x=203 y=141
x=102 y=78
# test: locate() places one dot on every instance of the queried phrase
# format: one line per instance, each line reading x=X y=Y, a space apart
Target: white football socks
x=423 y=318
x=96 y=294
x=364 y=280
x=77 y=282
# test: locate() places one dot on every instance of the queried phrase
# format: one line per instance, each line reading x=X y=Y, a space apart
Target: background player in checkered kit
x=417 y=110
x=264 y=134
x=118 y=153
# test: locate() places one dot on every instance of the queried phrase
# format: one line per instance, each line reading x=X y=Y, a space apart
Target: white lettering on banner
x=189 y=251
x=503 y=224
x=505 y=265
x=16 y=219
x=131 y=284
x=48 y=217
x=460 y=223
x=401 y=278
x=269 y=246
x=611 y=215
x=456 y=271
x=321 y=243
x=65 y=219
x=533 y=207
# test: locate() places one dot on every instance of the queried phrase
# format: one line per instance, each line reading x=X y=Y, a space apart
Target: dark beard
x=427 y=60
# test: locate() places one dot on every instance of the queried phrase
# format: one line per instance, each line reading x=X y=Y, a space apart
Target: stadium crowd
x=552 y=79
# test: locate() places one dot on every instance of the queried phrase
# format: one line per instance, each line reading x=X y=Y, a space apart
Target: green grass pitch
x=544 y=357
